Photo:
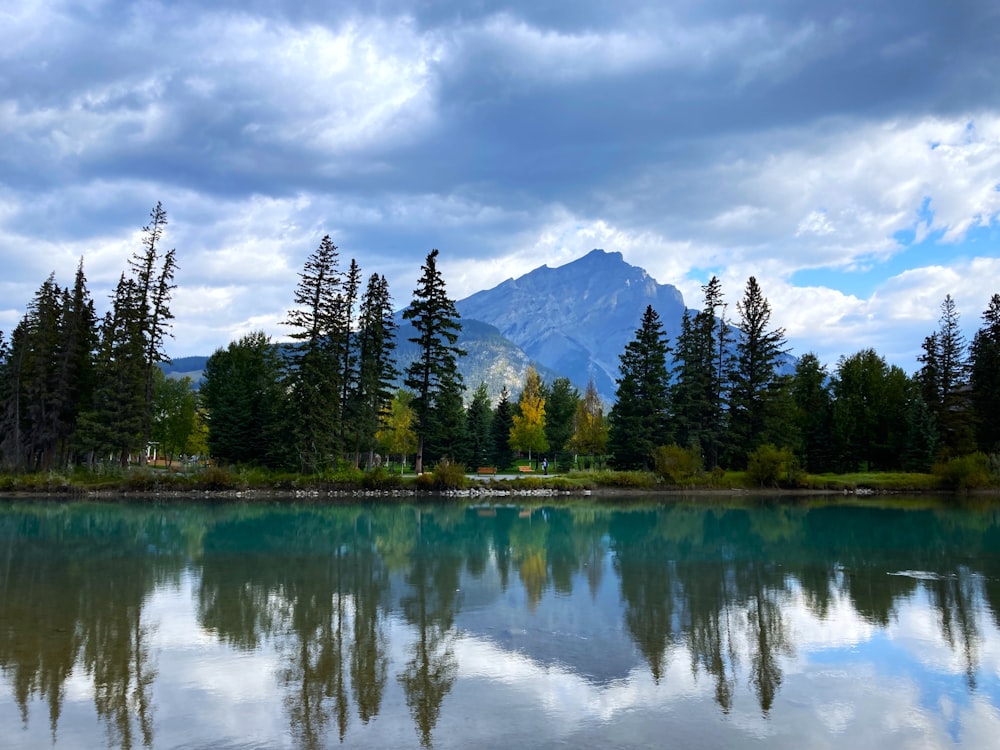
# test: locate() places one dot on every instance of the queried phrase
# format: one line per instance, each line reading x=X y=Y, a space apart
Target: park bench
x=486 y=470
x=525 y=469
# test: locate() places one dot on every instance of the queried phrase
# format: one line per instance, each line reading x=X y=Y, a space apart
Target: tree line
x=729 y=395
x=76 y=389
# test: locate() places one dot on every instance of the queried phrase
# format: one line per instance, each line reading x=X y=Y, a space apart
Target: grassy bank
x=448 y=477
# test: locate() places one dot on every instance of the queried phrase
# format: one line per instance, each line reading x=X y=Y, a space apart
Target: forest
x=83 y=391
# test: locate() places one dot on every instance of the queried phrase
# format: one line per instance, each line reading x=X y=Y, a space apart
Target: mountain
x=572 y=321
x=490 y=358
x=577 y=318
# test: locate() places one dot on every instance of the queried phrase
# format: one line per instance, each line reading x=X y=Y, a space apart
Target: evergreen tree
x=349 y=356
x=315 y=372
x=985 y=378
x=77 y=359
x=446 y=435
x=639 y=418
x=944 y=380
x=32 y=416
x=114 y=425
x=814 y=405
x=561 y=399
x=434 y=371
x=528 y=430
x=479 y=423
x=921 y=440
x=503 y=423
x=153 y=274
x=590 y=431
x=754 y=379
x=870 y=398
x=702 y=362
x=376 y=367
x=244 y=396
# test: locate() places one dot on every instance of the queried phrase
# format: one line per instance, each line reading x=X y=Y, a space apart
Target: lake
x=701 y=622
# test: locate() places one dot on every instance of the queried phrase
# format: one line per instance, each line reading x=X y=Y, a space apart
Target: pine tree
x=244 y=396
x=754 y=377
x=435 y=319
x=561 y=399
x=153 y=275
x=315 y=364
x=702 y=360
x=503 y=422
x=640 y=417
x=376 y=366
x=114 y=423
x=944 y=380
x=868 y=424
x=984 y=378
x=479 y=423
x=349 y=355
x=813 y=402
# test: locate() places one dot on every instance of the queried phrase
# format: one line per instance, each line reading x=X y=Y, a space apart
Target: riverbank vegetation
x=84 y=402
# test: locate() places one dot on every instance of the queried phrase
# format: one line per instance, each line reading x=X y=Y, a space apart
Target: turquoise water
x=688 y=624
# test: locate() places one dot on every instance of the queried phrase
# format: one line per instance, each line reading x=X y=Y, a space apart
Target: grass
x=345 y=477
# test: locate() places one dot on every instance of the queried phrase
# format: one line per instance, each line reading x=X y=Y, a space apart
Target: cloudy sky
x=846 y=154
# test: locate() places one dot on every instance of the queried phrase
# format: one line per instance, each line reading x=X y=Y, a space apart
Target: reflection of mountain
x=370 y=610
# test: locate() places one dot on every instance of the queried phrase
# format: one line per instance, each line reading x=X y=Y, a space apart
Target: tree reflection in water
x=706 y=586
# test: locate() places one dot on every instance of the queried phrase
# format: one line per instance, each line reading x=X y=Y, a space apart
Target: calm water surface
x=691 y=624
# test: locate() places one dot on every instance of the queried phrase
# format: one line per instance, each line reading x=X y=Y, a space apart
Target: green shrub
x=770 y=466
x=965 y=472
x=380 y=479
x=448 y=475
x=216 y=478
x=675 y=463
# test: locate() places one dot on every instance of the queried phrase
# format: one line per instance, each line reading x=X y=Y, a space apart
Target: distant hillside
x=576 y=319
x=491 y=358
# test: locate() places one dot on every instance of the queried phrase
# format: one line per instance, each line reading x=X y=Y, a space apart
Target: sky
x=845 y=154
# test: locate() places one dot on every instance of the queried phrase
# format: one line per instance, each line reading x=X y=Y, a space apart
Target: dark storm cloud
x=691 y=135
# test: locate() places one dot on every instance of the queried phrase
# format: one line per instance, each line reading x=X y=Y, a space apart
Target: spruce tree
x=944 y=379
x=561 y=400
x=479 y=423
x=702 y=359
x=376 y=367
x=639 y=418
x=754 y=377
x=244 y=396
x=813 y=402
x=503 y=422
x=315 y=364
x=153 y=274
x=985 y=378
x=434 y=371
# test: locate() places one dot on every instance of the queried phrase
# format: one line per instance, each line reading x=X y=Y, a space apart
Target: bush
x=675 y=463
x=770 y=466
x=448 y=475
x=380 y=479
x=965 y=472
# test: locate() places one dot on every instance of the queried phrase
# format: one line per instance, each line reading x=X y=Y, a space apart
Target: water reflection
x=477 y=609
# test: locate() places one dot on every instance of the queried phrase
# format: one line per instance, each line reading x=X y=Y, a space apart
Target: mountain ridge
x=570 y=321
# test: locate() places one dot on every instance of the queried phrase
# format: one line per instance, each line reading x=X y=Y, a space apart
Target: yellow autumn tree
x=590 y=435
x=397 y=435
x=528 y=430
